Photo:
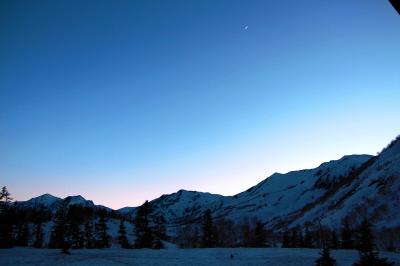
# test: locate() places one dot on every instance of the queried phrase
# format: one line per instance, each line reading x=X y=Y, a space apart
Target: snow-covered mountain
x=374 y=191
x=280 y=195
x=78 y=200
x=51 y=202
x=351 y=187
x=46 y=200
x=184 y=206
x=275 y=197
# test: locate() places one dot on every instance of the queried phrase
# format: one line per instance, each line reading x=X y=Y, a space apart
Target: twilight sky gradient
x=122 y=101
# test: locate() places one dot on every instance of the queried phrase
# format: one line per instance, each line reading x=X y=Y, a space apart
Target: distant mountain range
x=351 y=187
x=51 y=202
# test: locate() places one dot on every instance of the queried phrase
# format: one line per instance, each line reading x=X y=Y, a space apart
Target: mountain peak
x=76 y=197
x=78 y=200
x=45 y=200
x=46 y=196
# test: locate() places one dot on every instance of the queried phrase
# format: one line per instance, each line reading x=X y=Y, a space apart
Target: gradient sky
x=122 y=101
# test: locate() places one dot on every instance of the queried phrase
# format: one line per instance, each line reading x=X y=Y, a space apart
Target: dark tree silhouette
x=325 y=259
x=6 y=228
x=122 y=239
x=6 y=219
x=246 y=234
x=101 y=235
x=59 y=230
x=294 y=239
x=38 y=234
x=260 y=235
x=159 y=227
x=143 y=231
x=157 y=243
x=208 y=234
x=75 y=219
x=5 y=196
x=159 y=232
x=300 y=240
x=368 y=256
x=22 y=237
x=226 y=232
x=334 y=241
x=89 y=235
x=347 y=235
x=76 y=235
x=39 y=216
x=307 y=240
x=188 y=236
x=286 y=239
x=39 y=237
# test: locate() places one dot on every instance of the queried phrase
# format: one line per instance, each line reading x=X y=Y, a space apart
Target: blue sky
x=122 y=101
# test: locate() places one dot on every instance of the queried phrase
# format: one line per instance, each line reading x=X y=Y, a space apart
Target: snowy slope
x=185 y=205
x=281 y=194
x=78 y=200
x=182 y=206
x=375 y=191
x=128 y=211
x=51 y=202
x=274 y=198
x=353 y=186
x=45 y=200
x=175 y=257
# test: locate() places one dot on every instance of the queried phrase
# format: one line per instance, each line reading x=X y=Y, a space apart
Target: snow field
x=174 y=256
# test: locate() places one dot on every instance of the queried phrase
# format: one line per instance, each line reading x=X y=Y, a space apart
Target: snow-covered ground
x=187 y=257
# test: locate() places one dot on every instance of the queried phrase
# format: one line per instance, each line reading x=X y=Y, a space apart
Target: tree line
x=251 y=233
x=365 y=244
x=212 y=232
x=75 y=227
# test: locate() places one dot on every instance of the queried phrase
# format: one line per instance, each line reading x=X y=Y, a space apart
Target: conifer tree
x=102 y=237
x=159 y=232
x=246 y=233
x=6 y=228
x=76 y=235
x=6 y=220
x=39 y=218
x=260 y=235
x=325 y=259
x=226 y=233
x=334 y=242
x=59 y=230
x=308 y=240
x=5 y=196
x=368 y=256
x=122 y=239
x=346 y=235
x=300 y=240
x=188 y=236
x=143 y=230
x=208 y=234
x=391 y=246
x=38 y=234
x=88 y=235
x=22 y=237
x=286 y=239
x=39 y=215
x=294 y=239
x=157 y=243
x=159 y=228
x=74 y=220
